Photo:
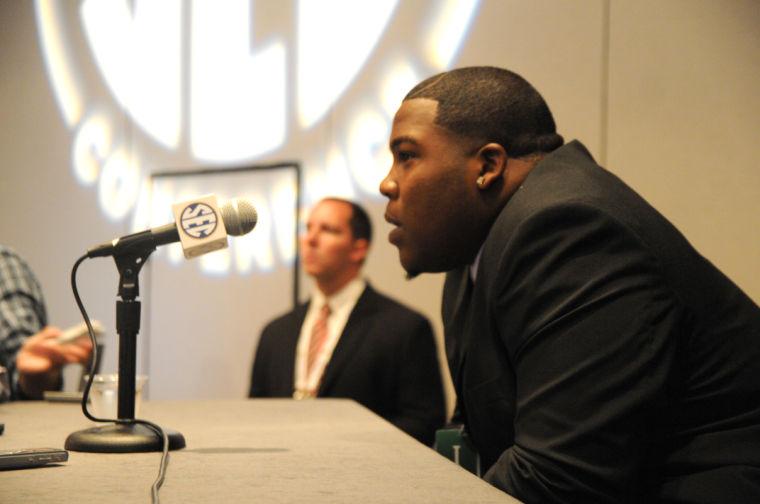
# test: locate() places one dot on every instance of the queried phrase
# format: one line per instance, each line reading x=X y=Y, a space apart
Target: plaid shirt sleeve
x=22 y=310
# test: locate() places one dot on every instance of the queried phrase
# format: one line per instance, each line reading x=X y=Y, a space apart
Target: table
x=260 y=450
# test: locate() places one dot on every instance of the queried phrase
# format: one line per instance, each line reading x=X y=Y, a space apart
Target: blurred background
x=98 y=97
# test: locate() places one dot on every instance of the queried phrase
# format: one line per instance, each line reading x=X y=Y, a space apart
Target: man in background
x=349 y=340
x=29 y=350
x=597 y=356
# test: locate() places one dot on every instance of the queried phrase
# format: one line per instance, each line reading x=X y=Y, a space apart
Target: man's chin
x=410 y=266
x=411 y=275
x=416 y=265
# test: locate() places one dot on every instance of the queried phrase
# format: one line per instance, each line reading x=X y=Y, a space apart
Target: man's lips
x=390 y=219
x=395 y=235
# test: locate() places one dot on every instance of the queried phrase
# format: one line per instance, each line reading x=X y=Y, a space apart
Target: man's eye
x=405 y=155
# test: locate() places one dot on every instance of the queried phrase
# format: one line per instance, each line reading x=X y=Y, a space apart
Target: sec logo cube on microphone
x=200 y=228
x=198 y=220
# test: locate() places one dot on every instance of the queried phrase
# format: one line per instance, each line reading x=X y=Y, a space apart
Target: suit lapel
x=357 y=326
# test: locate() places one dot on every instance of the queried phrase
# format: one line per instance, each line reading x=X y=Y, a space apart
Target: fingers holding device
x=73 y=333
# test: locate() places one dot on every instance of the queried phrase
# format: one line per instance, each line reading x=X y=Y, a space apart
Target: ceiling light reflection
x=66 y=84
x=119 y=184
x=91 y=146
x=138 y=51
x=398 y=80
x=368 y=155
x=283 y=209
x=237 y=96
x=331 y=54
x=448 y=31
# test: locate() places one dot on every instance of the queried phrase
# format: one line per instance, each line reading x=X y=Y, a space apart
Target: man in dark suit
x=349 y=340
x=597 y=357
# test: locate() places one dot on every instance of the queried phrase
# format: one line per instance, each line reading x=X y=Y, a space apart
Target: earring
x=480 y=181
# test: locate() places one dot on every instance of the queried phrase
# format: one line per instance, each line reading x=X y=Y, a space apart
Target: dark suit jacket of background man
x=385 y=359
x=600 y=358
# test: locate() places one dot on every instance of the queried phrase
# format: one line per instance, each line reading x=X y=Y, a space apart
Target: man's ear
x=360 y=250
x=492 y=163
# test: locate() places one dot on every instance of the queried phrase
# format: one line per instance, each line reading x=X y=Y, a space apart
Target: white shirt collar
x=348 y=294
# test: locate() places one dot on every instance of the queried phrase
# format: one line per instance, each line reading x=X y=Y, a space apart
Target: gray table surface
x=264 y=450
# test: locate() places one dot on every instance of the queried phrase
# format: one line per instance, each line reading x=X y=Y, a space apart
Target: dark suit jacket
x=599 y=357
x=385 y=359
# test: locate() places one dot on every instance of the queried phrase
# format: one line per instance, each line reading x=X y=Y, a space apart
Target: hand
x=41 y=357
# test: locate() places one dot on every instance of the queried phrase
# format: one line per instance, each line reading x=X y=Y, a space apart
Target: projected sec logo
x=162 y=71
x=198 y=220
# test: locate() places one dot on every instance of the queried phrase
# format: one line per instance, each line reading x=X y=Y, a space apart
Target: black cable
x=86 y=393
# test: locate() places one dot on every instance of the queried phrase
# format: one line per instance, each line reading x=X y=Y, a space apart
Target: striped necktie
x=318 y=336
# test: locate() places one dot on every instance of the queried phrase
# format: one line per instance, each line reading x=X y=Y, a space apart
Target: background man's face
x=328 y=245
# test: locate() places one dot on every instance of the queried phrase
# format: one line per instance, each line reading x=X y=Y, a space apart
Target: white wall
x=663 y=93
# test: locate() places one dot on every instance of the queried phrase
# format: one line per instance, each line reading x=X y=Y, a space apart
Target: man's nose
x=308 y=238
x=389 y=187
x=312 y=237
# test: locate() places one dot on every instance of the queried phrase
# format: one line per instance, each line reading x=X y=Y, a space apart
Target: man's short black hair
x=489 y=104
x=361 y=226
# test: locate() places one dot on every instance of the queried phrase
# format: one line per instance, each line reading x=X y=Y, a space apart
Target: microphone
x=197 y=226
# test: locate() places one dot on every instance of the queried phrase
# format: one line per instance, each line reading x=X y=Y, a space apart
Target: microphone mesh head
x=239 y=216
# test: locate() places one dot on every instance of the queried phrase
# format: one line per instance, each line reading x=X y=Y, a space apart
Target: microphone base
x=122 y=438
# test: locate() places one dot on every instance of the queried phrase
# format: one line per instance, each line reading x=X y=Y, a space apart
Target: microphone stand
x=127 y=435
